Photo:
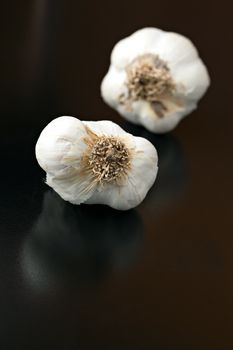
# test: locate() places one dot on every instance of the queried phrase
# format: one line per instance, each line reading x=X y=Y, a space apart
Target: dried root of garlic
x=155 y=79
x=96 y=162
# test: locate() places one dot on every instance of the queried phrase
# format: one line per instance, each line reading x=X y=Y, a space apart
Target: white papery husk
x=61 y=150
x=187 y=71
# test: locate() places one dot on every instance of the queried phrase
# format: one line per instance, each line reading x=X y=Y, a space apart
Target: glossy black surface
x=89 y=277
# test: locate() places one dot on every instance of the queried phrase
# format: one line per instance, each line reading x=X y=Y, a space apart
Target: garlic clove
x=127 y=49
x=105 y=127
x=175 y=49
x=144 y=162
x=56 y=140
x=72 y=185
x=113 y=85
x=194 y=77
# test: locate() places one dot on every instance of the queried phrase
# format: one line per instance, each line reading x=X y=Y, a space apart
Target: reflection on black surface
x=172 y=174
x=78 y=244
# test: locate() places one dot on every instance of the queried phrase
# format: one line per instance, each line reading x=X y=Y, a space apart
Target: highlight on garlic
x=96 y=162
x=155 y=79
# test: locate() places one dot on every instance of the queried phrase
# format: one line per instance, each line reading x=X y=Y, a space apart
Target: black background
x=157 y=277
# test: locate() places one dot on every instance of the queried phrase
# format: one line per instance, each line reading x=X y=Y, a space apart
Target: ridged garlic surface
x=96 y=162
x=155 y=79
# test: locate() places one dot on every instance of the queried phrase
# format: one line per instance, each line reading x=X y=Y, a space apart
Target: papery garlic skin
x=96 y=162
x=155 y=58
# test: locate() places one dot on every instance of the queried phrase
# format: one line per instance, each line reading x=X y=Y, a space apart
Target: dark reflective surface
x=74 y=246
x=157 y=277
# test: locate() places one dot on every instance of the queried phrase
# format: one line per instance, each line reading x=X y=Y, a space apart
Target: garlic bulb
x=96 y=162
x=155 y=79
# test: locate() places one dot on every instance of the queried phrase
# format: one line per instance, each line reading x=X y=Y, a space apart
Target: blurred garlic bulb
x=96 y=162
x=155 y=79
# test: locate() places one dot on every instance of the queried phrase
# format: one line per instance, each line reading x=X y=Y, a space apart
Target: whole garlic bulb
x=96 y=162
x=155 y=79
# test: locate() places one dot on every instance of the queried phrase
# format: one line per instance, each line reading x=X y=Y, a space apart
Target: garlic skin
x=155 y=79
x=96 y=162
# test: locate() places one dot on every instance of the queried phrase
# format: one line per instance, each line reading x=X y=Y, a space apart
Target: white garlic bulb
x=155 y=79
x=96 y=162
